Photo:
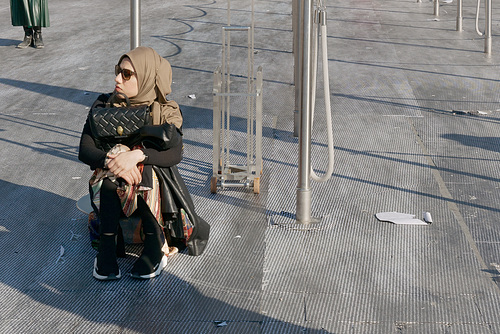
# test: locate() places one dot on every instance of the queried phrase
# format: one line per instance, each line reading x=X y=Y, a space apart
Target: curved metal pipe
x=477 y=18
x=321 y=24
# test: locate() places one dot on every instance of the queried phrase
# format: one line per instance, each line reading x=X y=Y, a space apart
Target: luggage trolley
x=225 y=173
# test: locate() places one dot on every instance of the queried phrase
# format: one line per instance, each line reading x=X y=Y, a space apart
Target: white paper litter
x=428 y=217
x=61 y=254
x=74 y=236
x=192 y=96
x=221 y=323
x=399 y=218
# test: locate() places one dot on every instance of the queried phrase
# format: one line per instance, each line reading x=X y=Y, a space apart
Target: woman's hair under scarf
x=154 y=77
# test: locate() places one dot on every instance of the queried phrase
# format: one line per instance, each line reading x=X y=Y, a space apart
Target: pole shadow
x=45 y=274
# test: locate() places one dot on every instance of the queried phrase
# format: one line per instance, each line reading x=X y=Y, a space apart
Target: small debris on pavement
x=427 y=217
x=399 y=218
x=61 y=254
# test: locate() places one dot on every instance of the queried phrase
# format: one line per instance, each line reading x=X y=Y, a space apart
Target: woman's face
x=128 y=87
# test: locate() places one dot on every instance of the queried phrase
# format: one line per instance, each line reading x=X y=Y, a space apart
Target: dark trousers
x=111 y=211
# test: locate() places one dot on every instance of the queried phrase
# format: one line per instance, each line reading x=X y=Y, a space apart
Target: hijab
x=154 y=78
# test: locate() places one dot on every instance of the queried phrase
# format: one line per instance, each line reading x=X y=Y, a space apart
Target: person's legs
x=37 y=38
x=152 y=260
x=28 y=38
x=106 y=266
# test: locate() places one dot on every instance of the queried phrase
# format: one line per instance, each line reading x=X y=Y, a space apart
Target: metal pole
x=436 y=7
x=297 y=54
x=303 y=214
x=135 y=23
x=487 y=32
x=460 y=15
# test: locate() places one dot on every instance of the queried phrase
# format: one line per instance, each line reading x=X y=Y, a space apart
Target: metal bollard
x=487 y=31
x=436 y=7
x=297 y=53
x=303 y=214
x=459 y=15
x=135 y=23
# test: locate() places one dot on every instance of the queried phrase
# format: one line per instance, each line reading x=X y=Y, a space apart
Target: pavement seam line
x=451 y=205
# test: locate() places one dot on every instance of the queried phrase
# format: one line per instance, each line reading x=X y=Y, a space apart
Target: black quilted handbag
x=118 y=125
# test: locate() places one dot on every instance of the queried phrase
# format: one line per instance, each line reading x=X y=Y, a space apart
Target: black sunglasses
x=126 y=73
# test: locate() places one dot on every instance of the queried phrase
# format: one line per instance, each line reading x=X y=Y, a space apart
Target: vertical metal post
x=135 y=23
x=487 y=31
x=436 y=7
x=297 y=54
x=303 y=214
x=460 y=16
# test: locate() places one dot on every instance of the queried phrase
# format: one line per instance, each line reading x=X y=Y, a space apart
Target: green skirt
x=31 y=13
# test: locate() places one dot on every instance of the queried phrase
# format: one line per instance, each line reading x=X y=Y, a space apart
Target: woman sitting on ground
x=124 y=180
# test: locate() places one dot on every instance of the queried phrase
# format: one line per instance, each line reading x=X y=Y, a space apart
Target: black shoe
x=26 y=42
x=105 y=276
x=28 y=38
x=152 y=260
x=144 y=269
x=105 y=265
x=37 y=38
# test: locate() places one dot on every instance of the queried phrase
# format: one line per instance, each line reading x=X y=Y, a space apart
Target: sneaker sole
x=157 y=272
x=105 y=278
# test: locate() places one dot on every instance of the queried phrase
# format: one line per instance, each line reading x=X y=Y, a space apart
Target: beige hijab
x=154 y=77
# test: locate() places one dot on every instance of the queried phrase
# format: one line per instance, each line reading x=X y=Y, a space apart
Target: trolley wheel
x=256 y=185
x=213 y=185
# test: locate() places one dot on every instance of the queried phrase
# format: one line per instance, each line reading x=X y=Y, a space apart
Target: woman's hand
x=132 y=177
x=124 y=165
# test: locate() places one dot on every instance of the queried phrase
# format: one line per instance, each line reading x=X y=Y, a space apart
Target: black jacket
x=174 y=193
x=174 y=196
